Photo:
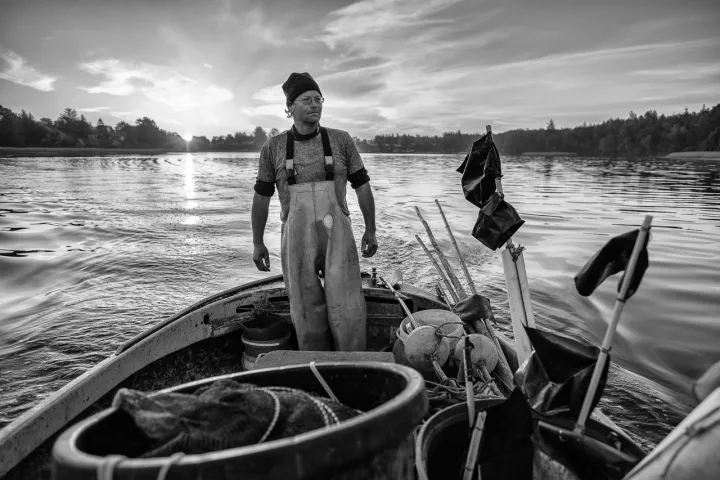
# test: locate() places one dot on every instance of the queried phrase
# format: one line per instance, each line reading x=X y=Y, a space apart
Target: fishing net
x=226 y=414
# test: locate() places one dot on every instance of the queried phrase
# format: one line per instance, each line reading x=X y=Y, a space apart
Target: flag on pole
x=611 y=259
x=479 y=170
x=497 y=220
x=557 y=375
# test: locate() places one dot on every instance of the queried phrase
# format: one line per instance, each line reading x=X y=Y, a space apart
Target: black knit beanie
x=297 y=84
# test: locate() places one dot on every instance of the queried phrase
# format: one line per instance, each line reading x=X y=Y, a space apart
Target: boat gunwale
x=197 y=305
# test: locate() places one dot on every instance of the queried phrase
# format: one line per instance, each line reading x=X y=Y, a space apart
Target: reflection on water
x=94 y=250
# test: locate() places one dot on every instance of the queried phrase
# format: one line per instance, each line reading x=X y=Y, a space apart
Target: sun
x=187 y=137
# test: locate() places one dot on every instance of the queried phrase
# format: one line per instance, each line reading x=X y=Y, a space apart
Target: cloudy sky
x=384 y=66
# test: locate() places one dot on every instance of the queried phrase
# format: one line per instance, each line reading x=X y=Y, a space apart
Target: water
x=94 y=250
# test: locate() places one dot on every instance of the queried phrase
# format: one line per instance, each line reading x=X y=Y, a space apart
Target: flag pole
x=610 y=333
x=518 y=289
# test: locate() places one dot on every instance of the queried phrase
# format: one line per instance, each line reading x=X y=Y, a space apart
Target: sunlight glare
x=187 y=136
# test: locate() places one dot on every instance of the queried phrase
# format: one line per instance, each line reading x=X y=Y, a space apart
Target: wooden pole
x=456 y=283
x=413 y=322
x=503 y=367
x=474 y=448
x=457 y=250
x=517 y=288
x=439 y=270
x=469 y=390
x=521 y=311
x=610 y=333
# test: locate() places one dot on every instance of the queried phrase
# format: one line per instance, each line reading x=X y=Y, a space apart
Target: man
x=311 y=165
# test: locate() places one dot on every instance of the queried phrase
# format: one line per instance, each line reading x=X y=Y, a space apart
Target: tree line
x=71 y=129
x=643 y=135
x=636 y=136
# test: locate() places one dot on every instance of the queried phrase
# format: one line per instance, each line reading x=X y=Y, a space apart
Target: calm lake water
x=95 y=250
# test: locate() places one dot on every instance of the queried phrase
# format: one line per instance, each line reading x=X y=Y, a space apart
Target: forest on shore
x=636 y=136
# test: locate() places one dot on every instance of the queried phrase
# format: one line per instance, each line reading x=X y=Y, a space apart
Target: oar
x=610 y=333
x=517 y=287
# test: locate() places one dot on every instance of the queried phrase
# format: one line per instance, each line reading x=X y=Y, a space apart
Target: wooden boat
x=201 y=341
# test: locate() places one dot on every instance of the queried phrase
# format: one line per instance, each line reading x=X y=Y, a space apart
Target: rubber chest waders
x=317 y=236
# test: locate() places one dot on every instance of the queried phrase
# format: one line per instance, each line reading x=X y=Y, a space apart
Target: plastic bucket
x=375 y=445
x=434 y=317
x=254 y=348
x=508 y=451
x=443 y=441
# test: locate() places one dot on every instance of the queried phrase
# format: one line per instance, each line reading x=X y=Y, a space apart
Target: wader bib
x=317 y=236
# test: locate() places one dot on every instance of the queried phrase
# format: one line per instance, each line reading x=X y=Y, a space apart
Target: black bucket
x=442 y=443
x=375 y=445
x=515 y=446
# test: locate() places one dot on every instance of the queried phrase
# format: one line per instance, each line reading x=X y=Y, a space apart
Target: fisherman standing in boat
x=310 y=165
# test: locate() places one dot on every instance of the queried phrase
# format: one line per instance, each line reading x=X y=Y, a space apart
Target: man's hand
x=261 y=257
x=369 y=244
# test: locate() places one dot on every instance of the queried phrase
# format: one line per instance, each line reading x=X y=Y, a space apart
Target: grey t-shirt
x=309 y=161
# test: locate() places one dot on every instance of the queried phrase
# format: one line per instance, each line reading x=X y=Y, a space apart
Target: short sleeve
x=353 y=159
x=265 y=181
x=266 y=169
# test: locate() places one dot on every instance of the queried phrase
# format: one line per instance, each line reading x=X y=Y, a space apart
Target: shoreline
x=694 y=155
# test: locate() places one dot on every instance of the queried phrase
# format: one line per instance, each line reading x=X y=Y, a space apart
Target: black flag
x=479 y=170
x=614 y=257
x=497 y=220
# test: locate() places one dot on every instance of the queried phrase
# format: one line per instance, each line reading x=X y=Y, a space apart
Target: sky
x=215 y=67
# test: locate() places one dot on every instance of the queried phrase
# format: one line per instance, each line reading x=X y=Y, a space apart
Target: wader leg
x=299 y=253
x=343 y=286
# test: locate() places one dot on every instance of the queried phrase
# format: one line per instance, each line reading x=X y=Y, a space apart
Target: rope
x=167 y=465
x=690 y=432
x=516 y=252
x=107 y=467
x=324 y=384
x=276 y=414
x=440 y=334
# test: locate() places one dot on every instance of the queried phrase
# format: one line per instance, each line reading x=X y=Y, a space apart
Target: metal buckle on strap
x=290 y=167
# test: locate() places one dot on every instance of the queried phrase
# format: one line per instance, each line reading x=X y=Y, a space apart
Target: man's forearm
x=367 y=205
x=259 y=216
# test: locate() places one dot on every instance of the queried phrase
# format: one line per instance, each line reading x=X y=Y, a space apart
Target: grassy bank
x=695 y=155
x=77 y=152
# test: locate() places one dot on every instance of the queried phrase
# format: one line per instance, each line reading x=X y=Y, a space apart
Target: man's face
x=307 y=107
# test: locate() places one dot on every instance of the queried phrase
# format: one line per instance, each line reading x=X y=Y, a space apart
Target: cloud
x=127 y=116
x=372 y=19
x=157 y=83
x=207 y=65
x=18 y=71
x=92 y=109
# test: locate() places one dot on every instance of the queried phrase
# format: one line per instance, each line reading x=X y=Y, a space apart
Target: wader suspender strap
x=290 y=154
x=327 y=151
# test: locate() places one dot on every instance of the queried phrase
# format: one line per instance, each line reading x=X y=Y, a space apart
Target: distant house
x=117 y=139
